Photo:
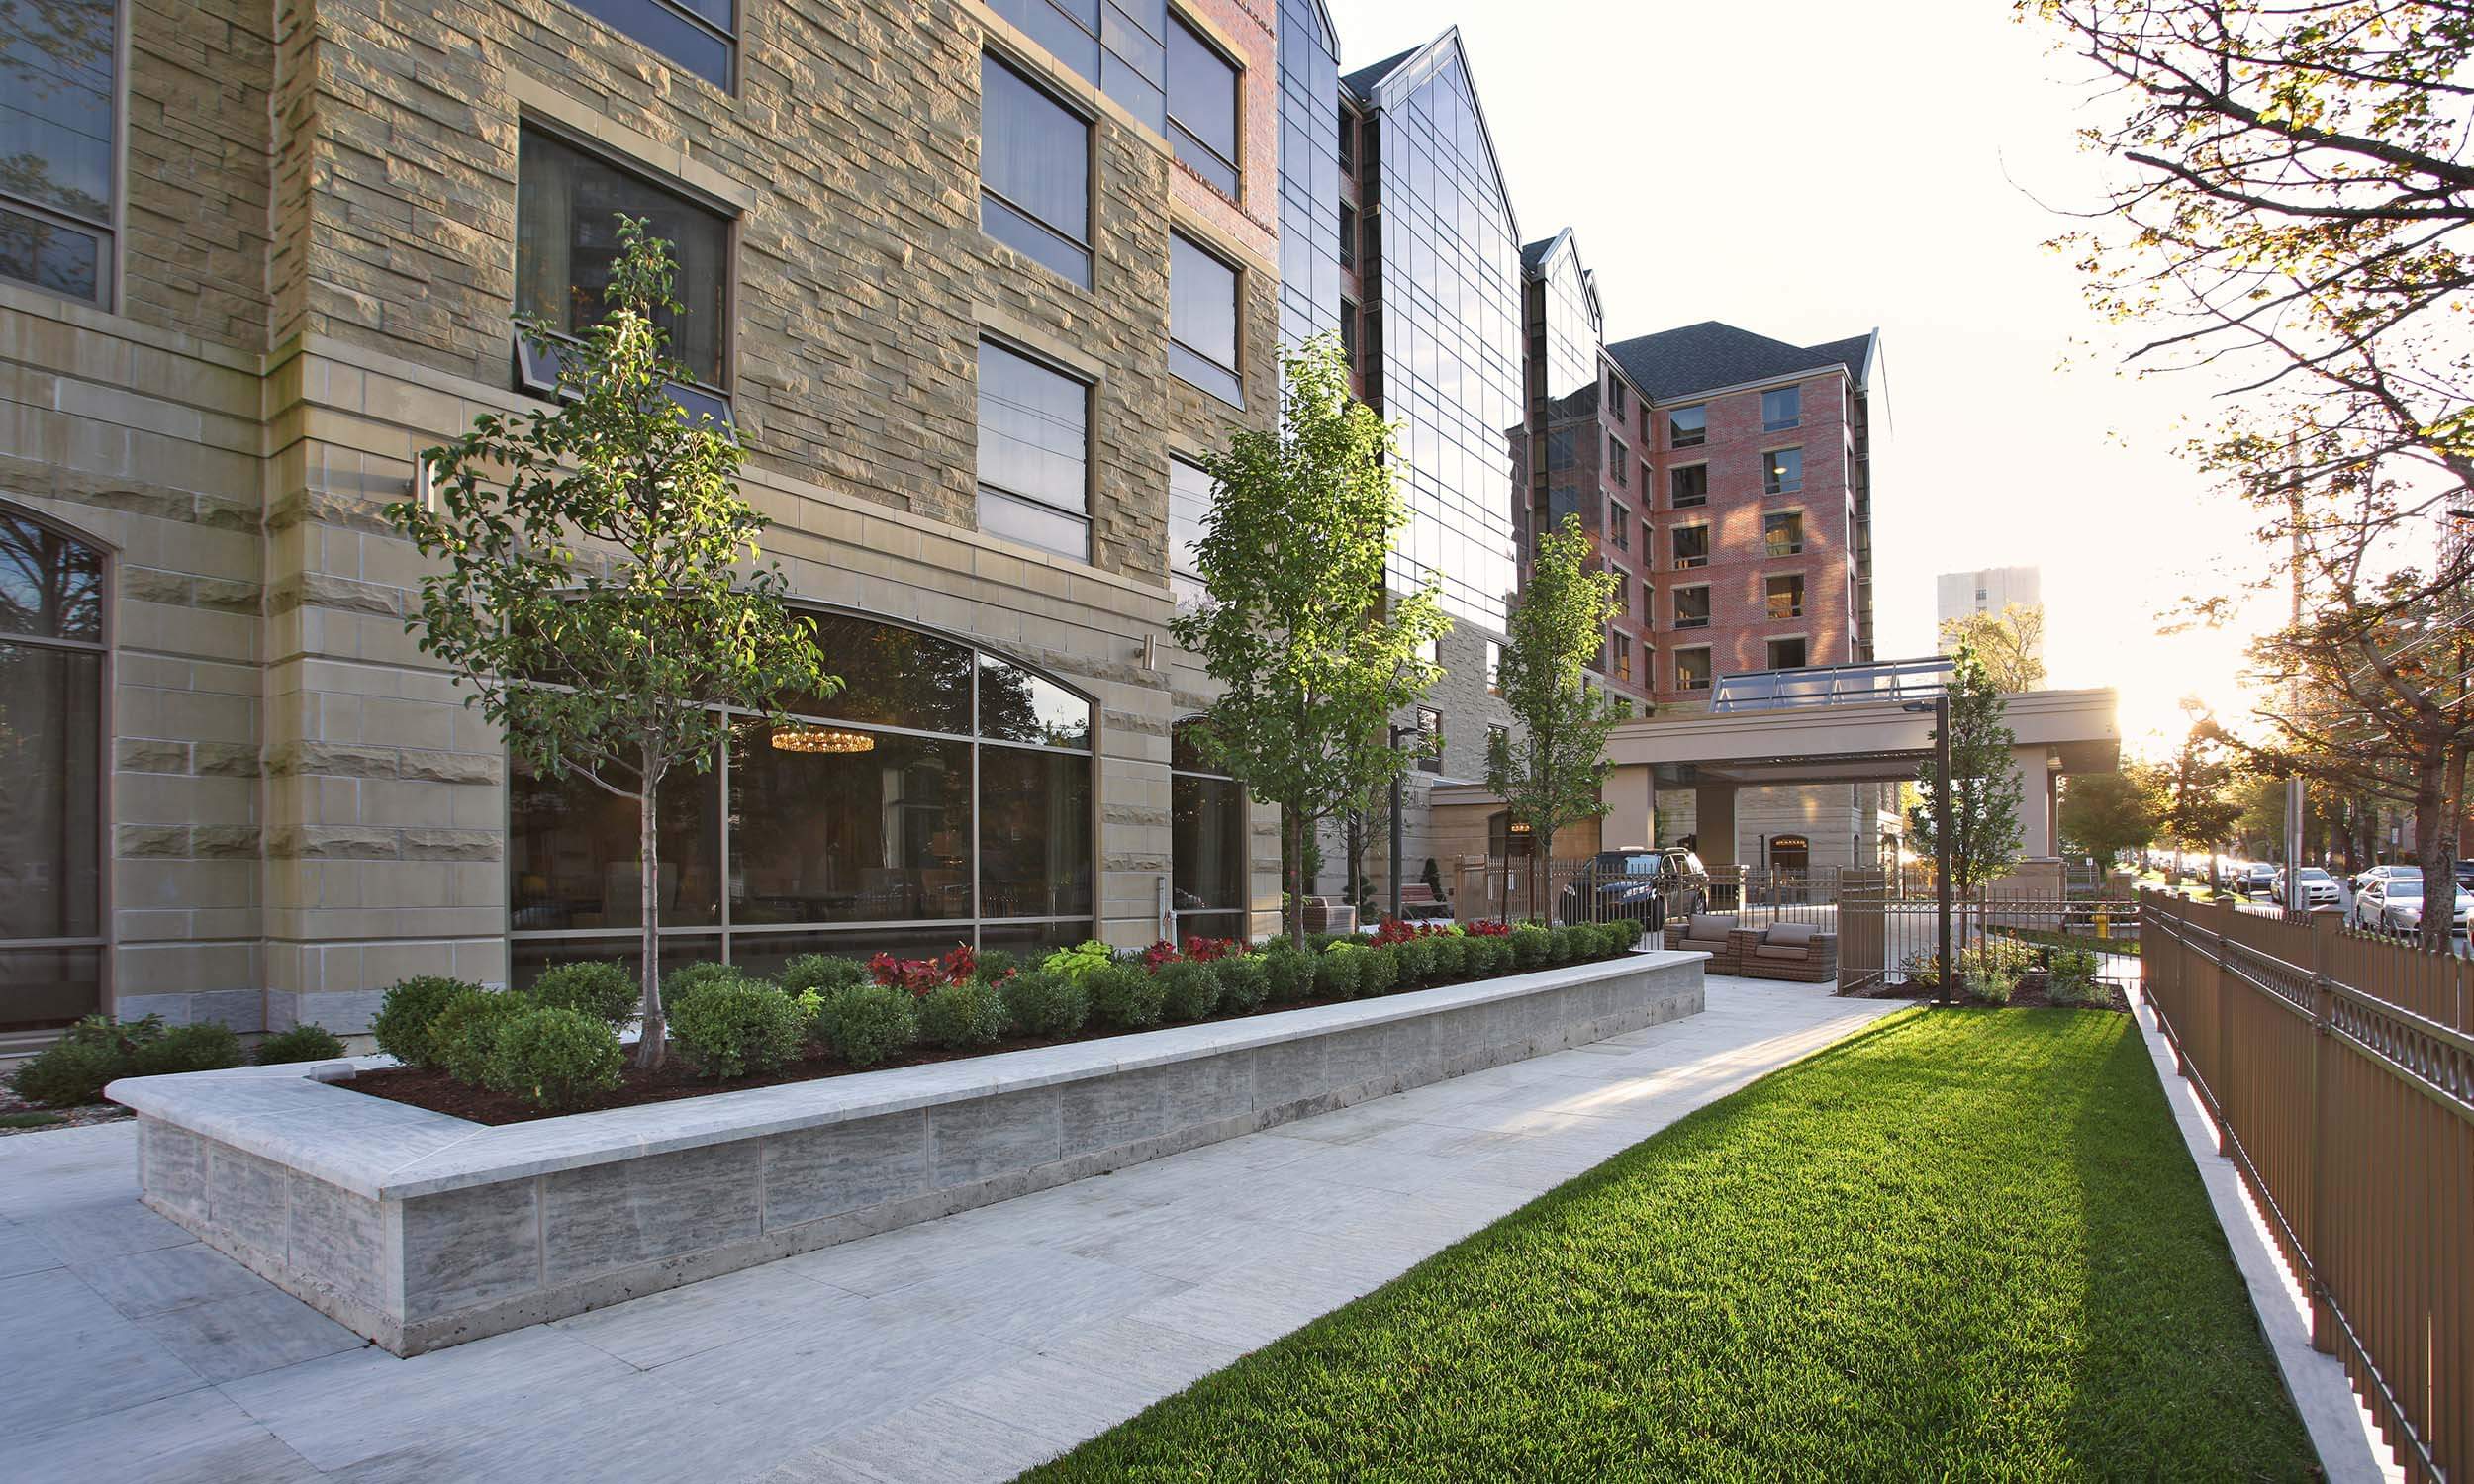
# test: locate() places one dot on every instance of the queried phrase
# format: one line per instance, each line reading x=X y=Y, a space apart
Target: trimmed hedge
x=730 y=1027
x=302 y=1042
x=555 y=1058
x=1039 y=1002
x=867 y=1023
x=407 y=1012
x=600 y=988
x=1187 y=990
x=961 y=1015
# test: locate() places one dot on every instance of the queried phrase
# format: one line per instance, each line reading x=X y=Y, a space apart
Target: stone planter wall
x=420 y=1230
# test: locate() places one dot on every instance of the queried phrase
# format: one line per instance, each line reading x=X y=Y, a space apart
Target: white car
x=2385 y=872
x=2395 y=904
x=2320 y=889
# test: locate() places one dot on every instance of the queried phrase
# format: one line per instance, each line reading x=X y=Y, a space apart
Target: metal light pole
x=1400 y=828
x=1941 y=837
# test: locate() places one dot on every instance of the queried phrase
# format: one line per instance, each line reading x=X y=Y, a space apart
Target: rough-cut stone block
x=612 y=1216
x=986 y=1137
x=340 y=1237
x=470 y=1246
x=844 y=1166
x=171 y=1168
x=247 y=1197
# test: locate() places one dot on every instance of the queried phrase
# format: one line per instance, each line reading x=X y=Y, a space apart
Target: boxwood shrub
x=1379 y=971
x=602 y=988
x=1287 y=974
x=729 y=1027
x=961 y=1015
x=302 y=1042
x=407 y=1012
x=1446 y=950
x=463 y=1036
x=67 y=1073
x=1244 y=982
x=1187 y=990
x=823 y=972
x=1338 y=974
x=552 y=1056
x=867 y=1023
x=1123 y=998
x=209 y=1046
x=1529 y=945
x=1415 y=958
x=1039 y=1002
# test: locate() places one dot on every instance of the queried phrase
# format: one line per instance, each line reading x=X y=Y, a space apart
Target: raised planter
x=420 y=1230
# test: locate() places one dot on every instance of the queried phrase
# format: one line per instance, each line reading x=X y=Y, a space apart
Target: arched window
x=1209 y=889
x=942 y=795
x=55 y=644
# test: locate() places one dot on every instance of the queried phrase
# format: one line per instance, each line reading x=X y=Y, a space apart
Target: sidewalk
x=962 y=1349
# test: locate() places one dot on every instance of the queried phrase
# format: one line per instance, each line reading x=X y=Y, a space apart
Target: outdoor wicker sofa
x=1796 y=950
x=1711 y=934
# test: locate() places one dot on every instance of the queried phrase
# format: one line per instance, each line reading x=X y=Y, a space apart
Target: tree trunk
x=1542 y=864
x=2433 y=842
x=1296 y=915
x=653 y=1044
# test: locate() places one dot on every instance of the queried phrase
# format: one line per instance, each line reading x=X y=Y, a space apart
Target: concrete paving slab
x=961 y=1348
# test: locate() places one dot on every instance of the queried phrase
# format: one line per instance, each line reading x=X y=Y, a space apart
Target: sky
x=1810 y=169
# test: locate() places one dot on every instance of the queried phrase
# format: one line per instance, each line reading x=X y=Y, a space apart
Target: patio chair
x=1796 y=950
x=1419 y=904
x=1329 y=914
x=1710 y=934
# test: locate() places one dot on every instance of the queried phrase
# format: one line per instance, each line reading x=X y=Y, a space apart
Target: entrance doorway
x=1790 y=853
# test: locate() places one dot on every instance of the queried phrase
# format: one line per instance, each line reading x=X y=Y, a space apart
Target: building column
x=1714 y=824
x=1630 y=794
x=2036 y=803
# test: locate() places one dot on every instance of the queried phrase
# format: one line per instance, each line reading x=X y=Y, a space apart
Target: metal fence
x=2341 y=1070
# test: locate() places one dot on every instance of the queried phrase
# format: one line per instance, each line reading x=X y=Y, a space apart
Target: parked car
x=2466 y=875
x=2320 y=889
x=2255 y=879
x=2384 y=872
x=2396 y=904
x=1642 y=885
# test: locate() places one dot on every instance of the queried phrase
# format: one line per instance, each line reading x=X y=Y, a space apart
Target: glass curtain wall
x=1309 y=173
x=1451 y=337
x=942 y=795
x=52 y=649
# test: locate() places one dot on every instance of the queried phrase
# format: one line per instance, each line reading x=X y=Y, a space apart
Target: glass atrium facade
x=1309 y=173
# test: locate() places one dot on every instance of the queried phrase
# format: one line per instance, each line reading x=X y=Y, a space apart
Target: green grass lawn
x=1962 y=1244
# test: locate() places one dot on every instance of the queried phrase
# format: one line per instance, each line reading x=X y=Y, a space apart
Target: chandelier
x=822 y=739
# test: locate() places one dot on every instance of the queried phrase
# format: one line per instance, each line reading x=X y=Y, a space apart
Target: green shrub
x=600 y=987
x=1414 y=960
x=554 y=1057
x=1187 y=990
x=1337 y=974
x=404 y=1015
x=1991 y=986
x=1081 y=962
x=1287 y=974
x=1244 y=983
x=210 y=1047
x=962 y=1015
x=1446 y=951
x=678 y=981
x=1123 y=998
x=731 y=1027
x=1041 y=1003
x=302 y=1042
x=1476 y=956
x=1624 y=935
x=67 y=1073
x=822 y=972
x=1529 y=945
x=1315 y=943
x=866 y=1024
x=997 y=965
x=465 y=1033
x=1559 y=945
x=1379 y=971
x=119 y=1037
x=2072 y=978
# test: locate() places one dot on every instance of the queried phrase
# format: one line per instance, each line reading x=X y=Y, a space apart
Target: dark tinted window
x=1689 y=487
x=1687 y=426
x=1035 y=172
x=51 y=683
x=695 y=34
x=50 y=586
x=880 y=835
x=57 y=177
x=890 y=674
x=567 y=209
x=1691 y=545
x=1020 y=705
x=1203 y=105
x=1033 y=451
x=1782 y=471
x=1782 y=408
x=1035 y=845
x=1202 y=319
x=1190 y=511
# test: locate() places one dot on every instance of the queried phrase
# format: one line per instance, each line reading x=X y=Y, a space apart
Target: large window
x=1781 y=408
x=52 y=649
x=1209 y=875
x=1786 y=597
x=1691 y=545
x=567 y=209
x=1202 y=321
x=1203 y=105
x=942 y=795
x=1618 y=526
x=1687 y=426
x=1782 y=471
x=1034 y=452
x=1783 y=533
x=1692 y=669
x=1689 y=486
x=1618 y=460
x=699 y=35
x=57 y=92
x=1190 y=512
x=1035 y=172
x=1692 y=607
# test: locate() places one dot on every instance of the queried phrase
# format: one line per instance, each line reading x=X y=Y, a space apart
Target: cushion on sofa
x=1707 y=926
x=1774 y=950
x=1796 y=935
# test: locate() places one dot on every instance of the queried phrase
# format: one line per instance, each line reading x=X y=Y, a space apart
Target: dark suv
x=1642 y=885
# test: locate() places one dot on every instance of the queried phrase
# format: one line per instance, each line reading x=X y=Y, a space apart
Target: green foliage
x=408 y=1011
x=2200 y=789
x=996 y=964
x=1244 y=983
x=1313 y=649
x=1446 y=952
x=1287 y=974
x=1338 y=972
x=1530 y=945
x=1416 y=960
x=302 y=1042
x=1990 y=987
x=465 y=1035
x=1379 y=971
x=1483 y=957
x=1624 y=934
x=119 y=1037
x=1984 y=784
x=731 y=1027
x=554 y=1057
x=1803 y=1229
x=1041 y=1003
x=1187 y=990
x=867 y=1024
x=2070 y=978
x=687 y=977
x=962 y=1014
x=1123 y=998
x=1559 y=945
x=822 y=972
x=1548 y=769
x=599 y=540
x=602 y=988
x=206 y=1047
x=68 y=1074
x=1081 y=962
x=2010 y=644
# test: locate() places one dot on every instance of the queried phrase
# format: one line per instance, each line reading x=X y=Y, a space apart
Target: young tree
x=1548 y=773
x=1312 y=652
x=1984 y=784
x=2201 y=798
x=2010 y=644
x=591 y=598
x=2107 y=814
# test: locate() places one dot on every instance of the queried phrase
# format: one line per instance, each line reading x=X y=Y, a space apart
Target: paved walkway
x=963 y=1348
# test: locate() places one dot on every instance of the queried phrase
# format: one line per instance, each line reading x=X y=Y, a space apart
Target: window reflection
x=875 y=836
x=1017 y=705
x=572 y=853
x=50 y=586
x=890 y=674
x=1035 y=847
x=52 y=686
x=1207 y=832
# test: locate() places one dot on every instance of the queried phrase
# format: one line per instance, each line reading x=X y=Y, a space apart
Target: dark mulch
x=20 y=1117
x=2030 y=995
x=441 y=1094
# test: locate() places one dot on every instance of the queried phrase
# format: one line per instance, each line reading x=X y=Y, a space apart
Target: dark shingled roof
x=1535 y=253
x=1362 y=81
x=1699 y=358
